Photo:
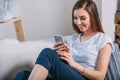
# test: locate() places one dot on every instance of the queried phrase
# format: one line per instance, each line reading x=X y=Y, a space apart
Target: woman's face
x=82 y=19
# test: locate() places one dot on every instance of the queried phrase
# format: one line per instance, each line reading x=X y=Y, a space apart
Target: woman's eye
x=80 y=18
x=75 y=18
x=83 y=18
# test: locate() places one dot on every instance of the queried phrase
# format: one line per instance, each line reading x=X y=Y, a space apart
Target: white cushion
x=16 y=57
x=8 y=41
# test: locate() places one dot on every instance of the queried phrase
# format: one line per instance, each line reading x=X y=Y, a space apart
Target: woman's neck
x=87 y=35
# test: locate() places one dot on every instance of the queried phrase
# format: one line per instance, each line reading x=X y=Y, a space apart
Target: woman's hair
x=91 y=8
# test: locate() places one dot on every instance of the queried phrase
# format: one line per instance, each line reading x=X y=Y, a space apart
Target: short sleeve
x=103 y=40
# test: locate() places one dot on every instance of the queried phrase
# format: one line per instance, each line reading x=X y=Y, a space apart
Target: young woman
x=86 y=54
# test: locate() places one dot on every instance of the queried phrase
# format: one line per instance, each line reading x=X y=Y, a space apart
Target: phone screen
x=59 y=38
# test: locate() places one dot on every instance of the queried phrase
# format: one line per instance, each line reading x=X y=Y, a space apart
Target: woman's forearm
x=91 y=74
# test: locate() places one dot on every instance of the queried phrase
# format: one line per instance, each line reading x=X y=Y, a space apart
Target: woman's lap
x=59 y=69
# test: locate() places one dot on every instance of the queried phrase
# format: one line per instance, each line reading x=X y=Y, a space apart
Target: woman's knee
x=47 y=51
x=47 y=54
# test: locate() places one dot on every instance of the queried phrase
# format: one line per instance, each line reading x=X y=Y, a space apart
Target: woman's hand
x=64 y=52
x=59 y=46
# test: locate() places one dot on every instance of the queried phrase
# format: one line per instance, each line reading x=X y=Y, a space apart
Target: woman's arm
x=102 y=62
x=102 y=65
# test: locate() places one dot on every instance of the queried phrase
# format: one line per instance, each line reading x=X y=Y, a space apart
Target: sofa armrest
x=15 y=57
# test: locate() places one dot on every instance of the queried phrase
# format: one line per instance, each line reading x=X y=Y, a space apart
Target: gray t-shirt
x=86 y=52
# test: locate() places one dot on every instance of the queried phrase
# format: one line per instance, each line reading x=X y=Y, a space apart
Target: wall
x=99 y=4
x=108 y=12
x=48 y=18
x=45 y=18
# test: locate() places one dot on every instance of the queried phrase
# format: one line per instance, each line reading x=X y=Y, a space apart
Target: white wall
x=108 y=12
x=48 y=17
x=45 y=18
x=99 y=4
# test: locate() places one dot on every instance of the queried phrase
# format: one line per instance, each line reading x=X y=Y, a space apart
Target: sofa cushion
x=8 y=41
x=17 y=57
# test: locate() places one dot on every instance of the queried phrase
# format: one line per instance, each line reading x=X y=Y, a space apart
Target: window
x=8 y=9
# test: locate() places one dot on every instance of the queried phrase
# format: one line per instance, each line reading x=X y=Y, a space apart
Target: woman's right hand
x=64 y=52
x=59 y=46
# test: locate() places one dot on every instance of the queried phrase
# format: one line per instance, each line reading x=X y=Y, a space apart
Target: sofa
x=16 y=56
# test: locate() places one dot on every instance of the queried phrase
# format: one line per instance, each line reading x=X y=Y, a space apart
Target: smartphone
x=59 y=38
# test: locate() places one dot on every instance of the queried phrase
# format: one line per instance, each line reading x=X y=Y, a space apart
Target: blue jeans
x=23 y=75
x=58 y=68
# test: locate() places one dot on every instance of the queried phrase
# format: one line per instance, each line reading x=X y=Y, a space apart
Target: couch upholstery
x=20 y=56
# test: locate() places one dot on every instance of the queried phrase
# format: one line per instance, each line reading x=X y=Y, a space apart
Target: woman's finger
x=60 y=47
x=57 y=44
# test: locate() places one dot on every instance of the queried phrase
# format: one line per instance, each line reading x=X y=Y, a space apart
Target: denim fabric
x=23 y=75
x=113 y=72
x=58 y=69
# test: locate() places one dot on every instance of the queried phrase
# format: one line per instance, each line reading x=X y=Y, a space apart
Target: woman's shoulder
x=75 y=36
x=102 y=36
x=103 y=39
x=72 y=37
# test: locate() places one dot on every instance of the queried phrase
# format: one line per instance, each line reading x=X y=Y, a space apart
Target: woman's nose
x=78 y=21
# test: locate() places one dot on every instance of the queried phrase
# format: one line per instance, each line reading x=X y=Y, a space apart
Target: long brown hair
x=91 y=8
